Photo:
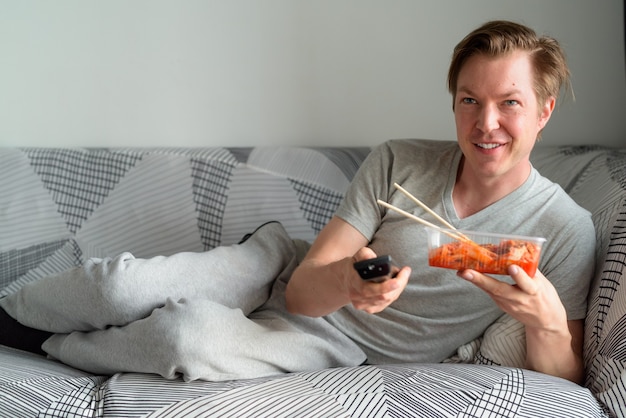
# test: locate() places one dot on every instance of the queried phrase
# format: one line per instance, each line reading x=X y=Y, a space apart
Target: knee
x=107 y=274
x=108 y=282
x=181 y=331
x=188 y=332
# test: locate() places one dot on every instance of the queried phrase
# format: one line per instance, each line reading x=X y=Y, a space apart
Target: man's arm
x=326 y=279
x=558 y=353
x=554 y=345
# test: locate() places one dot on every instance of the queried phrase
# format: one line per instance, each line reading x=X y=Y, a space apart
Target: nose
x=488 y=118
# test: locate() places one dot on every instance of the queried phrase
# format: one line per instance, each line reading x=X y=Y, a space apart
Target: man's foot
x=16 y=335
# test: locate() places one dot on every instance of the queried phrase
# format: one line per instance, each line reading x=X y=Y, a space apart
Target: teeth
x=488 y=146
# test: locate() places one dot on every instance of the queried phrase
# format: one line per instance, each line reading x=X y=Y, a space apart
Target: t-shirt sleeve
x=571 y=267
x=371 y=182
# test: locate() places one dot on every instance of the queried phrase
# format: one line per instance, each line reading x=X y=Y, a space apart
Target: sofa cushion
x=33 y=386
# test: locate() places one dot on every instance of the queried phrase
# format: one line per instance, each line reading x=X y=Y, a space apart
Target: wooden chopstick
x=454 y=235
x=459 y=237
x=426 y=208
x=432 y=212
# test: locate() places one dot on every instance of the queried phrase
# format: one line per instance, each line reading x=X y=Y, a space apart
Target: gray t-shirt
x=438 y=312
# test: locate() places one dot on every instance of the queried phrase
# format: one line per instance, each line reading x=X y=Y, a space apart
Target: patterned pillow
x=503 y=344
x=601 y=189
x=605 y=327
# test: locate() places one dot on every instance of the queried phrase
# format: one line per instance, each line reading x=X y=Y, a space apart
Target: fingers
x=496 y=287
x=365 y=253
x=373 y=297
x=524 y=282
x=532 y=301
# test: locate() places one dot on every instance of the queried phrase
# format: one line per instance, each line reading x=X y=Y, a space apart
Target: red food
x=487 y=258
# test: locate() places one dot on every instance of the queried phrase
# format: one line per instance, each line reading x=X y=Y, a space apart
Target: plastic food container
x=484 y=252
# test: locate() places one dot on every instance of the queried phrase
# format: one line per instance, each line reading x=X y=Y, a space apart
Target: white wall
x=259 y=72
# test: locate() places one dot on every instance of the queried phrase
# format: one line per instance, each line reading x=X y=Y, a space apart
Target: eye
x=468 y=100
x=511 y=102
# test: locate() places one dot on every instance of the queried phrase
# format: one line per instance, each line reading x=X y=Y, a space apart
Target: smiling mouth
x=488 y=146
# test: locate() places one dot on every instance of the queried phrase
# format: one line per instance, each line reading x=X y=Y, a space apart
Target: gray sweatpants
x=216 y=315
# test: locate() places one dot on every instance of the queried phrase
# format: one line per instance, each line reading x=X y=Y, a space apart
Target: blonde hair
x=501 y=37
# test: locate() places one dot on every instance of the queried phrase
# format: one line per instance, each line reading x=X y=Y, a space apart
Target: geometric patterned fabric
x=210 y=183
x=59 y=207
x=598 y=183
x=79 y=181
x=410 y=390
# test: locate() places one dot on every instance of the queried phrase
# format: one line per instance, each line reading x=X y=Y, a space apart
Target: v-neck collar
x=489 y=211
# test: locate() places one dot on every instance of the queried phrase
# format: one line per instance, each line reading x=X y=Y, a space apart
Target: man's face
x=497 y=115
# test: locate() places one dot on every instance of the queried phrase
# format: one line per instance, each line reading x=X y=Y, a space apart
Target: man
x=504 y=81
x=205 y=316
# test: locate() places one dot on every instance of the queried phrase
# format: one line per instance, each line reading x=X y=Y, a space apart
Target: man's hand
x=373 y=297
x=326 y=279
x=553 y=344
x=532 y=301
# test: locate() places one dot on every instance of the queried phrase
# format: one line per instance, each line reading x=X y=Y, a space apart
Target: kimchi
x=487 y=258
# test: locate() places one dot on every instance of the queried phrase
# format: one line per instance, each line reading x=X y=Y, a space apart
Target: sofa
x=60 y=206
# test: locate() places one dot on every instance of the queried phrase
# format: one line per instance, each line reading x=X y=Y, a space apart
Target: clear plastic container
x=484 y=252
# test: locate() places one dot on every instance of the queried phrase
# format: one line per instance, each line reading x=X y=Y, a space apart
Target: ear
x=545 y=112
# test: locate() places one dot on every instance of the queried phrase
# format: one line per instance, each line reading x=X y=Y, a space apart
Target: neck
x=473 y=192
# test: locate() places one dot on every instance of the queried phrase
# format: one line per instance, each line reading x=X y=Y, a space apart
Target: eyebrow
x=508 y=93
